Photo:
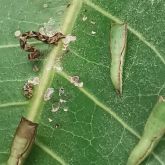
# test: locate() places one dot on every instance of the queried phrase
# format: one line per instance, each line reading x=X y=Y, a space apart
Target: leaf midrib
x=47 y=75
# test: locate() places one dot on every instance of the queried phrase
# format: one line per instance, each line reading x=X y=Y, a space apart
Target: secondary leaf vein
x=50 y=152
x=85 y=59
x=13 y=104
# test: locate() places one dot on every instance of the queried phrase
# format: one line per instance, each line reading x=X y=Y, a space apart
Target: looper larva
x=118 y=42
x=153 y=132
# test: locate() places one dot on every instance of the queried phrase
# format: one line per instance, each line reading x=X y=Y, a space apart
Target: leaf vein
x=23 y=21
x=16 y=80
x=13 y=104
x=85 y=59
x=50 y=152
x=16 y=45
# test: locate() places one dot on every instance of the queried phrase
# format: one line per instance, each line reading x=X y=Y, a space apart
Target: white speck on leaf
x=35 y=68
x=34 y=81
x=49 y=28
x=65 y=109
x=50 y=120
x=69 y=38
x=92 y=22
x=55 y=107
x=48 y=68
x=17 y=33
x=84 y=18
x=93 y=32
x=45 y=5
x=62 y=101
x=41 y=30
x=80 y=85
x=152 y=2
x=58 y=68
x=48 y=94
x=61 y=91
x=76 y=81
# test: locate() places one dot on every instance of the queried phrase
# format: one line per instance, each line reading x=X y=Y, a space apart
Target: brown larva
x=34 y=53
x=28 y=90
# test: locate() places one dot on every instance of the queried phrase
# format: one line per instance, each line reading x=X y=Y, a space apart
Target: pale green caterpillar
x=153 y=131
x=118 y=42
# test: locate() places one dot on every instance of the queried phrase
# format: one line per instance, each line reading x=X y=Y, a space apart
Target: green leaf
x=99 y=127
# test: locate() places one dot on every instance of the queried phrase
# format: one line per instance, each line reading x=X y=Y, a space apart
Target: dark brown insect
x=28 y=90
x=34 y=53
x=68 y=5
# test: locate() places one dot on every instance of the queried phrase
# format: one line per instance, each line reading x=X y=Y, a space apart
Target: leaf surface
x=99 y=126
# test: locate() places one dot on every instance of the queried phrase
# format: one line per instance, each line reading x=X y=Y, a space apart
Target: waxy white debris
x=76 y=81
x=69 y=38
x=58 y=68
x=34 y=81
x=45 y=5
x=92 y=22
x=80 y=85
x=49 y=28
x=17 y=33
x=49 y=68
x=65 y=109
x=50 y=120
x=62 y=101
x=48 y=94
x=55 y=107
x=42 y=31
x=84 y=18
x=61 y=91
x=93 y=32
x=35 y=68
